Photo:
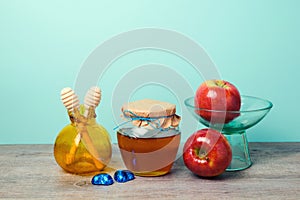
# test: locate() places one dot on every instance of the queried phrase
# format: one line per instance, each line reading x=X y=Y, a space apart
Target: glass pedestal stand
x=240 y=151
x=252 y=111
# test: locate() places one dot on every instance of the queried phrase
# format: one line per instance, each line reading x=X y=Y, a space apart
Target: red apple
x=220 y=96
x=207 y=153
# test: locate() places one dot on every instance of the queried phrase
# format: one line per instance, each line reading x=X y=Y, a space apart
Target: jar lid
x=146 y=111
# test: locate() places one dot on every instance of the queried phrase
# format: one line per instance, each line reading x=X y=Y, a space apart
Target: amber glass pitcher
x=83 y=146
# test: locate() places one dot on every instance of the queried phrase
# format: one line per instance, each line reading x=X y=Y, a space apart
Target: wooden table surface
x=30 y=171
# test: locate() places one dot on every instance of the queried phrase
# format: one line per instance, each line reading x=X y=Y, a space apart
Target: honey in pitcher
x=149 y=156
x=75 y=154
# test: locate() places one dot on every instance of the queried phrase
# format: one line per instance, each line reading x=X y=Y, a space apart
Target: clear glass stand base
x=240 y=152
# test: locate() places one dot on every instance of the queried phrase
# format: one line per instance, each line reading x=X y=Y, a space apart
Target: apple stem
x=202 y=154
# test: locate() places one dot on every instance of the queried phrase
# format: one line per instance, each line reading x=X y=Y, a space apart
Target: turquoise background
x=254 y=44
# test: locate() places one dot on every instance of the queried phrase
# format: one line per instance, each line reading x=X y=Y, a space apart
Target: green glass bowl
x=252 y=111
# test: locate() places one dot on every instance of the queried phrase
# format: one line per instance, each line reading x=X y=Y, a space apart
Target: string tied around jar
x=153 y=122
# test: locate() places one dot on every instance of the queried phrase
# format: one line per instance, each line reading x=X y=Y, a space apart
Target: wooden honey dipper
x=71 y=102
x=92 y=99
x=69 y=99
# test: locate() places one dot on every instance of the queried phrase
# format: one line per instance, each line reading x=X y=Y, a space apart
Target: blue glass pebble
x=102 y=179
x=130 y=175
x=123 y=176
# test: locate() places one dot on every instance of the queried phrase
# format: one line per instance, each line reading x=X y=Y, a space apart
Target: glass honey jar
x=149 y=138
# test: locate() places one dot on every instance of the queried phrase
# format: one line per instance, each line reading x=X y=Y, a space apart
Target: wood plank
x=30 y=171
